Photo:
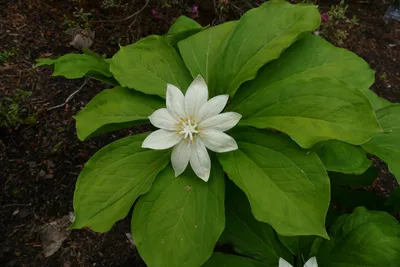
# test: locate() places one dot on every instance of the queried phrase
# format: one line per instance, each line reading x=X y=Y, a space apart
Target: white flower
x=312 y=262
x=191 y=123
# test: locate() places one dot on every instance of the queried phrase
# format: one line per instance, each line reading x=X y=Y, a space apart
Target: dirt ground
x=39 y=163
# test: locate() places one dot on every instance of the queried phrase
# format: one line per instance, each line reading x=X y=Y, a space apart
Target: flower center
x=188 y=129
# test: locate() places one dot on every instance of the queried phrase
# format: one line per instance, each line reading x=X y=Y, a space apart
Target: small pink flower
x=154 y=12
x=324 y=17
x=195 y=9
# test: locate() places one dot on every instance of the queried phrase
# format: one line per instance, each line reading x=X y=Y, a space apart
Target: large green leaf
x=342 y=157
x=75 y=66
x=227 y=260
x=361 y=239
x=260 y=36
x=115 y=109
x=298 y=245
x=179 y=221
x=287 y=186
x=183 y=28
x=309 y=58
x=310 y=111
x=113 y=179
x=148 y=66
x=182 y=24
x=248 y=236
x=201 y=51
x=386 y=145
x=376 y=101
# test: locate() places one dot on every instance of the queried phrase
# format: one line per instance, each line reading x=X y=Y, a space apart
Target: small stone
x=50 y=164
x=49 y=176
x=42 y=173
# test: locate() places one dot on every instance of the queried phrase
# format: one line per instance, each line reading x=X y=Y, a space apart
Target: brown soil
x=40 y=163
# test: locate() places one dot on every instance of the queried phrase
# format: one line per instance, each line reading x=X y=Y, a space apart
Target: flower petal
x=312 y=262
x=221 y=122
x=196 y=96
x=213 y=107
x=180 y=156
x=161 y=118
x=175 y=102
x=200 y=160
x=218 y=141
x=161 y=139
x=283 y=263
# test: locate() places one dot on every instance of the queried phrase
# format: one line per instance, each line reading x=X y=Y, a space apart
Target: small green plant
x=81 y=19
x=106 y=4
x=335 y=17
x=13 y=109
x=7 y=54
x=262 y=129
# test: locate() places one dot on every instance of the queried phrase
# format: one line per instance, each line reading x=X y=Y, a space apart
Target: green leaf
x=227 y=260
x=201 y=51
x=260 y=36
x=287 y=186
x=182 y=24
x=298 y=245
x=341 y=157
x=183 y=28
x=113 y=179
x=386 y=145
x=179 y=221
x=376 y=101
x=248 y=236
x=310 y=111
x=309 y=58
x=115 y=109
x=148 y=65
x=75 y=66
x=363 y=239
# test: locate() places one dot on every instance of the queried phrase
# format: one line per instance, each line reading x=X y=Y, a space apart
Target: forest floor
x=40 y=155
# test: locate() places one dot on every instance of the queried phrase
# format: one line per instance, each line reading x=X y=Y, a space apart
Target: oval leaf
x=74 y=66
x=260 y=36
x=248 y=236
x=201 y=51
x=386 y=145
x=227 y=260
x=148 y=65
x=113 y=179
x=287 y=186
x=363 y=239
x=115 y=109
x=179 y=221
x=342 y=157
x=310 y=111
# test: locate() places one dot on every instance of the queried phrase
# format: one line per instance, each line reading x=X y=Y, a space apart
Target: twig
x=129 y=17
x=17 y=205
x=69 y=97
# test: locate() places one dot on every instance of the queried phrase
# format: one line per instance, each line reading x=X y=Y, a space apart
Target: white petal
x=161 y=139
x=161 y=118
x=221 y=122
x=180 y=156
x=283 y=263
x=312 y=262
x=213 y=107
x=200 y=160
x=175 y=102
x=218 y=141
x=196 y=96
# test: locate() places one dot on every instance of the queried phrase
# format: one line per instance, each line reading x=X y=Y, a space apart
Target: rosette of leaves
x=308 y=115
